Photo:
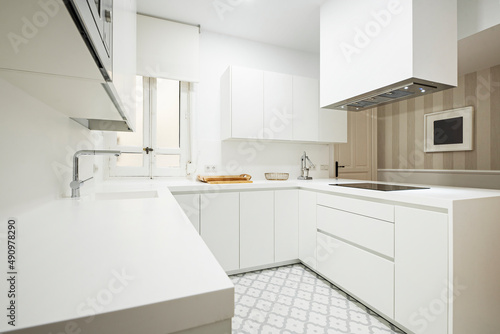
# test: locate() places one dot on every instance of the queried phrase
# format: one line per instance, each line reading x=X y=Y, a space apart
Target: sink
x=126 y=195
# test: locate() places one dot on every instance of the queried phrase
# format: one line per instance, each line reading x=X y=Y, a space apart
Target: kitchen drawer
x=366 y=276
x=373 y=234
x=361 y=207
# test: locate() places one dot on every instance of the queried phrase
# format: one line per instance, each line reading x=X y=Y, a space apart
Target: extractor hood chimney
x=375 y=52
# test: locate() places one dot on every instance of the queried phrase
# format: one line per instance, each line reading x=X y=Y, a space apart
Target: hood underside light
x=401 y=92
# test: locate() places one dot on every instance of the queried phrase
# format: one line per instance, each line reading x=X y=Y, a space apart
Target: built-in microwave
x=94 y=19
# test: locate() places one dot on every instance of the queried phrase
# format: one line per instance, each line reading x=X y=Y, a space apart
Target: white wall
x=477 y=15
x=37 y=144
x=217 y=52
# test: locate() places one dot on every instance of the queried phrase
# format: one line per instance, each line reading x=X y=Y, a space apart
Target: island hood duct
x=379 y=52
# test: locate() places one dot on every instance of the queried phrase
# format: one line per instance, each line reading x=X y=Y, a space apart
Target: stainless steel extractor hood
x=378 y=52
x=393 y=93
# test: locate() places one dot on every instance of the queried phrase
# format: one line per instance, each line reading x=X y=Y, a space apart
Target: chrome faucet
x=75 y=184
x=304 y=170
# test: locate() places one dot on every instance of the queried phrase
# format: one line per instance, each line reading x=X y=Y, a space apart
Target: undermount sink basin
x=126 y=195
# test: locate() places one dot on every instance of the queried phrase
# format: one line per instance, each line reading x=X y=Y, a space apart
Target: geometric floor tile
x=293 y=299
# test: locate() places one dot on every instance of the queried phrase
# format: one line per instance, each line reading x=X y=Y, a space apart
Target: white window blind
x=167 y=49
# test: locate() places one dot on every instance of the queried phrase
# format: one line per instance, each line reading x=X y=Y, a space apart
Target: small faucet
x=75 y=184
x=304 y=170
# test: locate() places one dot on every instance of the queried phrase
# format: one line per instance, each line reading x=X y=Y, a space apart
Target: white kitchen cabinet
x=365 y=275
x=371 y=209
x=421 y=277
x=366 y=232
x=77 y=76
x=278 y=106
x=242 y=103
x=307 y=227
x=275 y=106
x=286 y=225
x=190 y=204
x=256 y=228
x=220 y=228
x=124 y=55
x=305 y=108
x=332 y=126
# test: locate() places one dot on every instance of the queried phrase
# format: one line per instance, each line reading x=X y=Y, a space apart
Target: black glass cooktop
x=376 y=186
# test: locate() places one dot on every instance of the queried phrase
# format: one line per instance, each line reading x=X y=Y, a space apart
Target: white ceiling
x=288 y=23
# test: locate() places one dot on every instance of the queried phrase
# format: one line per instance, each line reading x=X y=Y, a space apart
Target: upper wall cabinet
x=262 y=105
x=76 y=56
x=278 y=105
x=242 y=102
x=305 y=109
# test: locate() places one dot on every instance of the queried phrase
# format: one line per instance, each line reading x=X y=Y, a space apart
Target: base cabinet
x=220 y=228
x=307 y=227
x=256 y=228
x=286 y=225
x=250 y=229
x=421 y=277
x=363 y=274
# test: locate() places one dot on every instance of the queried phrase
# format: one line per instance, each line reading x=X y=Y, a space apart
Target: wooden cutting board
x=224 y=179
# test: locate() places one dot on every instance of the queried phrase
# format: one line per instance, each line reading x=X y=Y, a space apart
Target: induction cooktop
x=376 y=186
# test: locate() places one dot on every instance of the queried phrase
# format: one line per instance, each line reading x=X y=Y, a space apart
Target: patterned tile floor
x=293 y=299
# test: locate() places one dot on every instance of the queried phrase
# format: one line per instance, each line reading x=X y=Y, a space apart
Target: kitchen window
x=159 y=146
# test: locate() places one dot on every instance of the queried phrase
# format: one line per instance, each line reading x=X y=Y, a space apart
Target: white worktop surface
x=71 y=249
x=435 y=196
x=71 y=252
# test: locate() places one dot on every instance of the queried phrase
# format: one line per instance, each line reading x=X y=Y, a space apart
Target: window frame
x=149 y=168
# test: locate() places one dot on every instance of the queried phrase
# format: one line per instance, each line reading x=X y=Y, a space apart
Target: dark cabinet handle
x=337 y=169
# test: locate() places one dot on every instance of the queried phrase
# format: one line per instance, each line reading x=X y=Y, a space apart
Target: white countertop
x=435 y=196
x=72 y=251
x=122 y=255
